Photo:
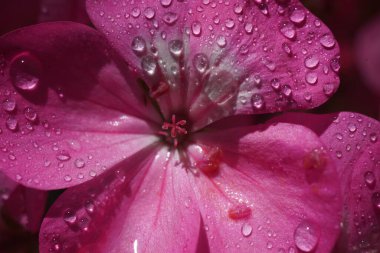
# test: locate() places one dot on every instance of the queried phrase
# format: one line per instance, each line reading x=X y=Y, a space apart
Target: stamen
x=176 y=129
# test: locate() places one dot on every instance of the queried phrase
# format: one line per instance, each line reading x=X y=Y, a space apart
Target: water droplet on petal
x=176 y=47
x=149 y=65
x=67 y=178
x=89 y=206
x=138 y=45
x=287 y=91
x=25 y=71
x=135 y=12
x=196 y=28
x=328 y=89
x=246 y=229
x=306 y=236
x=166 y=3
x=30 y=114
x=201 y=62
x=311 y=78
x=373 y=137
x=149 y=13
x=369 y=179
x=69 y=216
x=170 y=18
x=257 y=101
x=335 y=65
x=79 y=163
x=230 y=23
x=248 y=27
x=12 y=123
x=221 y=87
x=327 y=41
x=352 y=128
x=311 y=62
x=298 y=16
x=9 y=105
x=221 y=41
x=63 y=156
x=287 y=29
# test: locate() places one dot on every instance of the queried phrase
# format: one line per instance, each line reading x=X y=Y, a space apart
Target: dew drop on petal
x=201 y=62
x=30 y=114
x=287 y=29
x=149 y=13
x=12 y=123
x=246 y=230
x=257 y=101
x=69 y=216
x=287 y=90
x=369 y=179
x=166 y=3
x=138 y=45
x=25 y=71
x=9 y=105
x=67 y=178
x=176 y=47
x=352 y=128
x=79 y=163
x=298 y=16
x=135 y=12
x=221 y=41
x=373 y=137
x=63 y=156
x=149 y=65
x=327 y=41
x=306 y=236
x=230 y=23
x=170 y=18
x=311 y=62
x=311 y=78
x=89 y=206
x=196 y=28
x=248 y=27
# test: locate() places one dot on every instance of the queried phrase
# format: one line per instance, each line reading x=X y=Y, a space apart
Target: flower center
x=174 y=131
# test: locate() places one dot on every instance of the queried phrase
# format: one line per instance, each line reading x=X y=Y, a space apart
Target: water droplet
x=135 y=12
x=248 y=27
x=298 y=16
x=287 y=29
x=221 y=41
x=351 y=127
x=196 y=28
x=287 y=49
x=63 y=156
x=239 y=212
x=25 y=71
x=376 y=200
x=246 y=229
x=12 y=123
x=257 y=101
x=275 y=83
x=170 y=18
x=311 y=62
x=149 y=65
x=311 y=78
x=30 y=114
x=327 y=41
x=9 y=105
x=328 y=89
x=67 y=178
x=201 y=63
x=166 y=3
x=369 y=179
x=176 y=47
x=84 y=223
x=287 y=91
x=335 y=65
x=79 y=163
x=89 y=206
x=230 y=23
x=269 y=245
x=138 y=45
x=238 y=9
x=373 y=137
x=338 y=154
x=306 y=236
x=149 y=13
x=69 y=216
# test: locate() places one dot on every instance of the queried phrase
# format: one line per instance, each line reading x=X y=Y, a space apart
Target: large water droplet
x=12 y=123
x=257 y=101
x=311 y=78
x=298 y=16
x=79 y=163
x=25 y=71
x=176 y=47
x=246 y=229
x=327 y=41
x=311 y=62
x=149 y=65
x=30 y=114
x=287 y=29
x=9 y=105
x=201 y=62
x=170 y=18
x=306 y=236
x=230 y=23
x=248 y=27
x=149 y=13
x=138 y=45
x=166 y=3
x=369 y=179
x=196 y=28
x=69 y=216
x=221 y=41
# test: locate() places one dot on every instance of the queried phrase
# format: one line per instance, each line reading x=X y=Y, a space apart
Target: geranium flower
x=126 y=123
x=353 y=142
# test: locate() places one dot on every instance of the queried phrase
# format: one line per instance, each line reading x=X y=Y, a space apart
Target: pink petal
x=64 y=104
x=271 y=191
x=148 y=208
x=59 y=10
x=23 y=205
x=218 y=59
x=352 y=140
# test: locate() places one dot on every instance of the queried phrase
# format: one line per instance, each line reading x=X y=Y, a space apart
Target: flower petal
x=218 y=59
x=145 y=205
x=271 y=191
x=353 y=142
x=65 y=102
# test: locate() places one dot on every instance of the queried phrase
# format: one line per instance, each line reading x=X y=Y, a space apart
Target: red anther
x=160 y=90
x=176 y=128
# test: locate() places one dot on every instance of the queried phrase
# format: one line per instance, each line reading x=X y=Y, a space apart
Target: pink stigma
x=176 y=129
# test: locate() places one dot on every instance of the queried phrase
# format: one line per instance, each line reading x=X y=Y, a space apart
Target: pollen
x=173 y=130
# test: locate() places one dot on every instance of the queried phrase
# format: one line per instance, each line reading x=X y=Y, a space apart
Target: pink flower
x=128 y=122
